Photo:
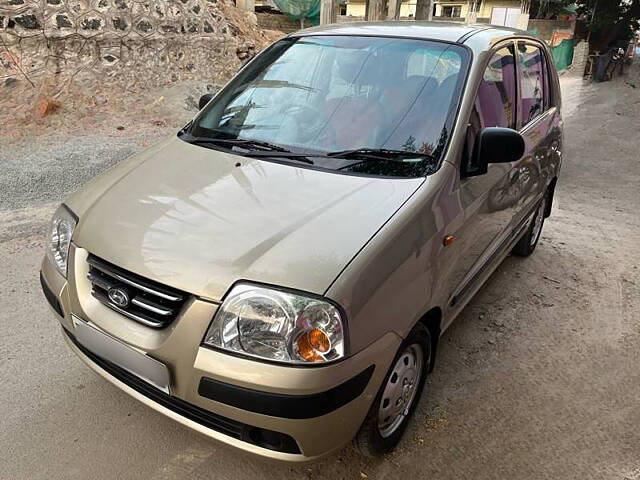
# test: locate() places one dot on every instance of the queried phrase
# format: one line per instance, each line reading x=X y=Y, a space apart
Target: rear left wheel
x=527 y=244
x=397 y=399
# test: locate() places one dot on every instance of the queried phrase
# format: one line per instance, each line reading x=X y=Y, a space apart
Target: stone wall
x=278 y=21
x=131 y=44
x=580 y=58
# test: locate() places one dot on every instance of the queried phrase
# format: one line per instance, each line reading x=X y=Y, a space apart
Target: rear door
x=538 y=122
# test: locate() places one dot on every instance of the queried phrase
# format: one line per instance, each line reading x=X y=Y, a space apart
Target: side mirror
x=496 y=145
x=204 y=99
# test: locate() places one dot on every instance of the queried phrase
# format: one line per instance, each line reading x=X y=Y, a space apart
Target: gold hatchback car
x=278 y=274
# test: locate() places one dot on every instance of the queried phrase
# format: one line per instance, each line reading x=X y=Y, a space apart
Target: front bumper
x=294 y=414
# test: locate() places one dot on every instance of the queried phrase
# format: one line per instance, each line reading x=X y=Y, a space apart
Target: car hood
x=198 y=219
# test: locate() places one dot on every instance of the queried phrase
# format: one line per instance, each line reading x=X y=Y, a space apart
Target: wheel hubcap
x=538 y=221
x=400 y=390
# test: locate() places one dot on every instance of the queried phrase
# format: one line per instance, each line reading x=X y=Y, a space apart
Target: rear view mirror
x=496 y=145
x=204 y=99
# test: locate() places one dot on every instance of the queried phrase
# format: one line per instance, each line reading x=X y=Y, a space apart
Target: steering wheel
x=308 y=118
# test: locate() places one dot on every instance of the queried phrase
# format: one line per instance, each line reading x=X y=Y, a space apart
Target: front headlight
x=63 y=224
x=277 y=325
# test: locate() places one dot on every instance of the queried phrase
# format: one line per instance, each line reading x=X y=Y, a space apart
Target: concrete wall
x=488 y=5
x=357 y=9
x=485 y=8
x=125 y=43
x=580 y=57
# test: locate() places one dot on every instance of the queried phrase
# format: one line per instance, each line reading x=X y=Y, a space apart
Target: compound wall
x=128 y=44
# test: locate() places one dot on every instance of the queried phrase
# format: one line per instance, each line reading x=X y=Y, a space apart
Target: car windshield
x=329 y=94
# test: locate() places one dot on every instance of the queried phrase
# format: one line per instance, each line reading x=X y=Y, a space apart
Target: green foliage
x=410 y=144
x=609 y=21
x=549 y=8
x=606 y=14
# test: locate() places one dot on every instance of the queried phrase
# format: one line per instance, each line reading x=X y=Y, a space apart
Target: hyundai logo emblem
x=119 y=297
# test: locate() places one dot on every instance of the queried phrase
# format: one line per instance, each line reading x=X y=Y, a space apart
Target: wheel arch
x=432 y=320
x=551 y=189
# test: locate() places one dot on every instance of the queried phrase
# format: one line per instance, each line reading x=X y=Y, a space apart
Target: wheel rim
x=400 y=391
x=538 y=221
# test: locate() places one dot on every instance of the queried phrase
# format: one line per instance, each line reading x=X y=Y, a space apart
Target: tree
x=609 y=21
x=548 y=9
x=424 y=9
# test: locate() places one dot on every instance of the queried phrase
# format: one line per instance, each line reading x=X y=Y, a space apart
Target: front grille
x=138 y=298
x=264 y=438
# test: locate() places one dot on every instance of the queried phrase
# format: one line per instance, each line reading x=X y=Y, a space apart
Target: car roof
x=444 y=31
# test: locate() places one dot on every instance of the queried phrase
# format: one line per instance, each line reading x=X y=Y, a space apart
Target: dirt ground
x=539 y=377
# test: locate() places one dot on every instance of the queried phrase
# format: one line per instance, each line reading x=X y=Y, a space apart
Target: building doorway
x=505 y=16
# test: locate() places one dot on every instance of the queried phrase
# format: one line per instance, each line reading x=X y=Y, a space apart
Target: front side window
x=495 y=104
x=496 y=100
x=532 y=82
x=328 y=94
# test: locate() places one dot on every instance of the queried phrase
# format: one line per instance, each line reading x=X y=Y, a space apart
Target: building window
x=451 y=11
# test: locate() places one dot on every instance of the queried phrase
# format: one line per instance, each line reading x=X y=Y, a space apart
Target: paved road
x=538 y=378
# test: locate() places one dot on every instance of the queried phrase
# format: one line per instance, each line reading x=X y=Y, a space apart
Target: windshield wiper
x=256 y=148
x=260 y=148
x=377 y=154
x=240 y=142
x=300 y=157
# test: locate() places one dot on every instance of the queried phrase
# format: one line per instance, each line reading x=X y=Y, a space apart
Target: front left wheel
x=396 y=401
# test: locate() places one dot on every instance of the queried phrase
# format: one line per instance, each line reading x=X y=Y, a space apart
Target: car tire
x=527 y=244
x=377 y=435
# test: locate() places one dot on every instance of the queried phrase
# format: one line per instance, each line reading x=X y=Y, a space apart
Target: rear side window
x=533 y=82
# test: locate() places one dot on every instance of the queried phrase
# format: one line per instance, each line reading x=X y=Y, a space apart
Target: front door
x=488 y=199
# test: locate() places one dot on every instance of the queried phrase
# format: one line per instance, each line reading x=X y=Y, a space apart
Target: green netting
x=563 y=54
x=300 y=9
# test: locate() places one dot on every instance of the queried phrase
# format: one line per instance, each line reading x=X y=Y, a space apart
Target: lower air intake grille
x=264 y=438
x=136 y=297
